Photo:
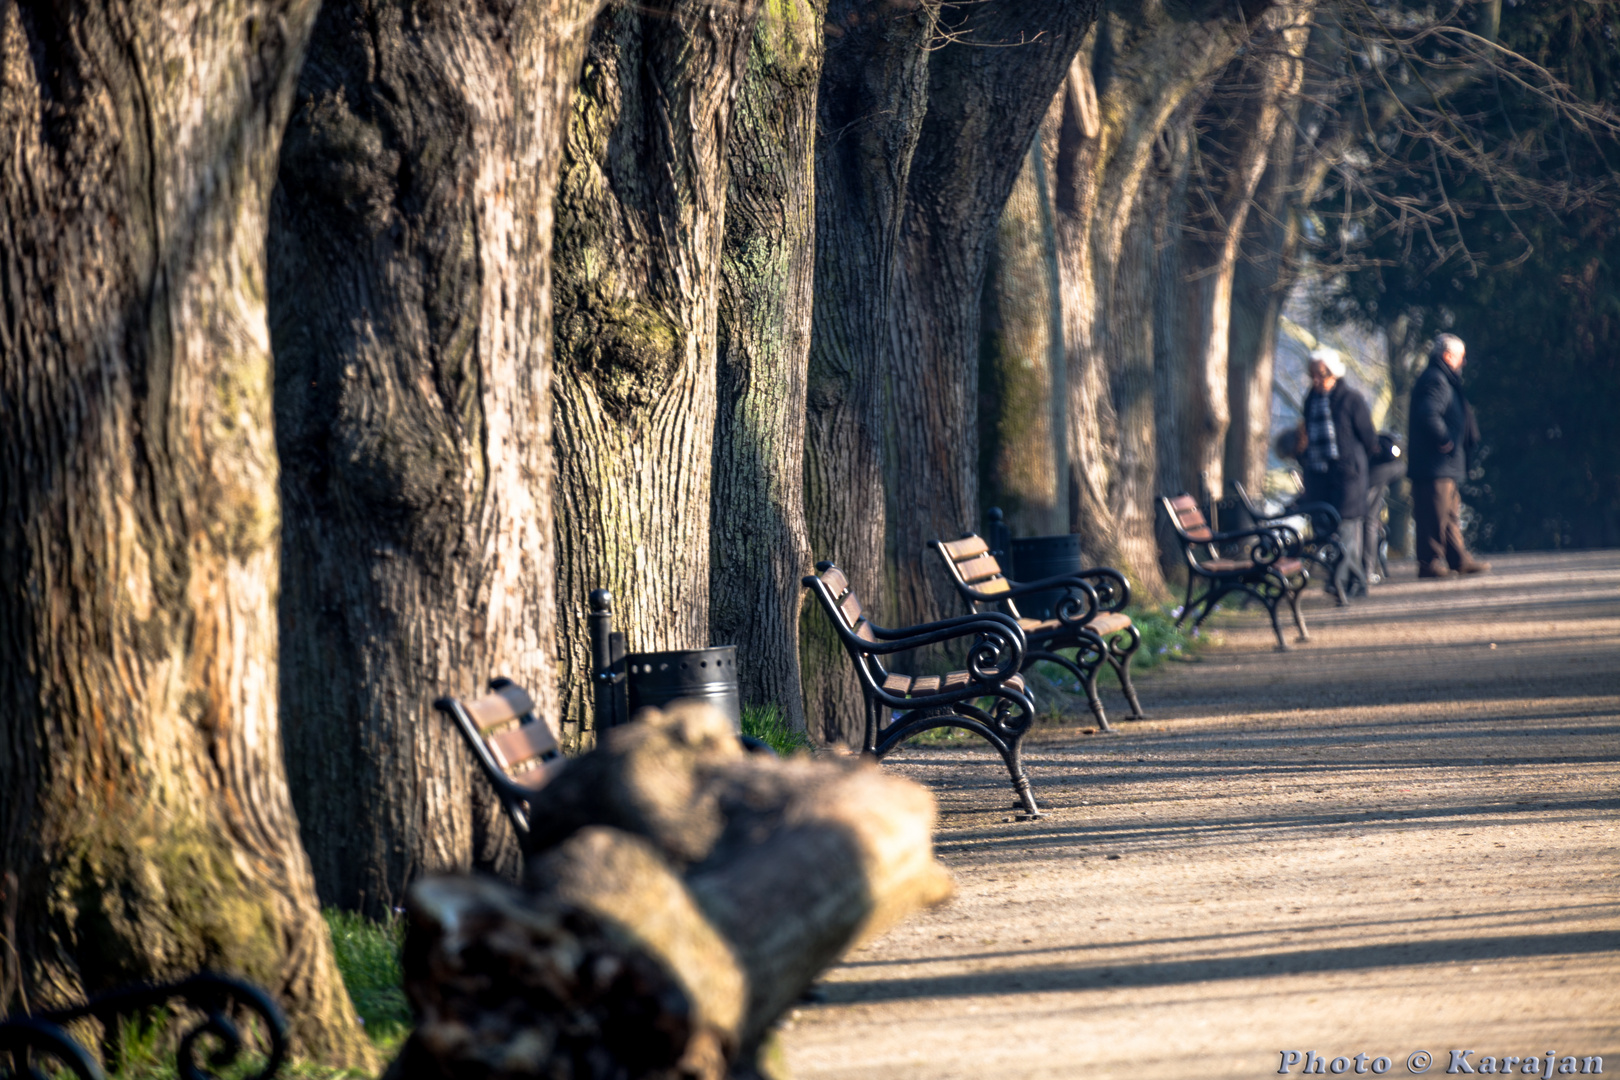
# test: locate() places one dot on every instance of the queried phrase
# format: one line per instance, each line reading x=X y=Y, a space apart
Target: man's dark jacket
x=1345 y=483
x=1440 y=417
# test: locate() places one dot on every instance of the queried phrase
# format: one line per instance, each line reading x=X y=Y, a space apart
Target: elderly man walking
x=1443 y=436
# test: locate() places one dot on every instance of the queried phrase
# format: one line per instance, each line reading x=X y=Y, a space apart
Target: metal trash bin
x=654 y=680
x=1037 y=557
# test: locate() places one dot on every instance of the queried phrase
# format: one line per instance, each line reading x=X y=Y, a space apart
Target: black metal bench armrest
x=1072 y=611
x=1270 y=544
x=1117 y=583
x=1311 y=510
x=206 y=992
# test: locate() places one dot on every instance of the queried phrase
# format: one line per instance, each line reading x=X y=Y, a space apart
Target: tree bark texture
x=665 y=944
x=410 y=312
x=1259 y=284
x=990 y=83
x=758 y=549
x=640 y=218
x=1023 y=467
x=143 y=805
x=869 y=111
x=1144 y=63
x=1237 y=128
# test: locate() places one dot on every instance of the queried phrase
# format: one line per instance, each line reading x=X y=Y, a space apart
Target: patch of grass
x=368 y=956
x=767 y=724
x=944 y=736
x=1161 y=638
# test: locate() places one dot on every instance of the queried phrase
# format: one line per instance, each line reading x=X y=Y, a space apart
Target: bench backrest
x=975 y=571
x=1187 y=518
x=517 y=750
x=844 y=607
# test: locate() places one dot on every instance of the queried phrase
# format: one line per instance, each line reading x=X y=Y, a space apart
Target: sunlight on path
x=1397 y=838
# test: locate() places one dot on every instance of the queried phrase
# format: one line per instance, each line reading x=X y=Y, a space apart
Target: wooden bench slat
x=850 y=609
x=864 y=631
x=836 y=582
x=897 y=684
x=978 y=569
x=501 y=707
x=523 y=747
x=965 y=548
x=925 y=684
x=994 y=585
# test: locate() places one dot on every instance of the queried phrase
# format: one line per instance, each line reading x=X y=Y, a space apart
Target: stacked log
x=679 y=896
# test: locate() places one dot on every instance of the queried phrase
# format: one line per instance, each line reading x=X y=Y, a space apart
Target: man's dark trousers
x=1437 y=516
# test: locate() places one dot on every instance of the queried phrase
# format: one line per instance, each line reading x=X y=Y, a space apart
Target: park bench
x=1091 y=621
x=1320 y=545
x=39 y=1045
x=900 y=706
x=517 y=751
x=1255 y=562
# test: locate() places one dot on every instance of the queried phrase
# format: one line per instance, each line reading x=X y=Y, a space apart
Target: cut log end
x=685 y=896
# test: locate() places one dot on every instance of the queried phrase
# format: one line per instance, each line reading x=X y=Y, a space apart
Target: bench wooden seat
x=989 y=698
x=517 y=751
x=1091 y=622
x=1266 y=567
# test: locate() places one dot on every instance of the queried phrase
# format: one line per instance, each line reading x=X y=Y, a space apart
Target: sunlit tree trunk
x=145 y=825
x=1140 y=68
x=758 y=549
x=1237 y=129
x=410 y=300
x=640 y=216
x=990 y=83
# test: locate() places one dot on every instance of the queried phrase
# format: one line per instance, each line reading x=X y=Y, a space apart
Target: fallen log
x=686 y=895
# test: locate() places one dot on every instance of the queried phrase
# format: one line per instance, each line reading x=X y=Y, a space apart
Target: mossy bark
x=758 y=548
x=991 y=80
x=869 y=112
x=640 y=218
x=410 y=313
x=143 y=806
x=1023 y=458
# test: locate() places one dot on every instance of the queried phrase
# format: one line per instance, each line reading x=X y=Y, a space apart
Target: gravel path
x=1401 y=837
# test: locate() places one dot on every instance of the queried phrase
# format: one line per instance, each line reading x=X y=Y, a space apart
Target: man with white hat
x=1340 y=441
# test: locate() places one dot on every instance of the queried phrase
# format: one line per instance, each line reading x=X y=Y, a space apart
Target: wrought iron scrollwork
x=992 y=659
x=26 y=1041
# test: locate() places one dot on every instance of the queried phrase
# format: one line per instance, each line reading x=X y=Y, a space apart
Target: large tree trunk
x=1144 y=65
x=758 y=548
x=990 y=84
x=869 y=111
x=145 y=811
x=1259 y=286
x=1023 y=465
x=410 y=299
x=640 y=217
x=1237 y=130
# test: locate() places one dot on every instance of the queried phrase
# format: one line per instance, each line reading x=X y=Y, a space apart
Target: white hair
x=1330 y=359
x=1444 y=343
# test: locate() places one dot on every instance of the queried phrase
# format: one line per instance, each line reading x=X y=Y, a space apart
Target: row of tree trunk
x=668 y=297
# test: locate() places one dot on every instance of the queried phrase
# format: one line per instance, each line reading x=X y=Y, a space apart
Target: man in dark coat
x=1444 y=434
x=1340 y=441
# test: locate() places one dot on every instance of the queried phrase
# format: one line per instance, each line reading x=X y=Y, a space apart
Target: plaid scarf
x=1322 y=444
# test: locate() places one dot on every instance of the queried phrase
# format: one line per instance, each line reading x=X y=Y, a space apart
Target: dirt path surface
x=1401 y=837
